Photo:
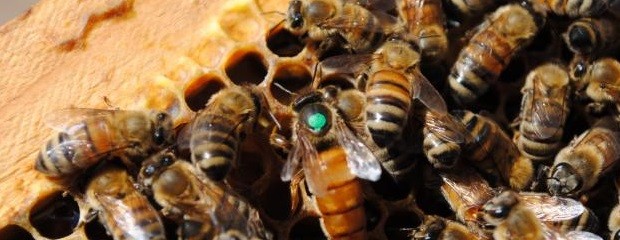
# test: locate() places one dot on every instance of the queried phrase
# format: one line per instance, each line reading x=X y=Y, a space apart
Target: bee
x=514 y=220
x=496 y=41
x=494 y=153
x=435 y=227
x=603 y=84
x=592 y=36
x=614 y=223
x=330 y=21
x=574 y=8
x=202 y=209
x=578 y=166
x=123 y=211
x=332 y=157
x=469 y=8
x=466 y=192
x=217 y=130
x=391 y=81
x=544 y=109
x=426 y=26
x=87 y=135
x=444 y=139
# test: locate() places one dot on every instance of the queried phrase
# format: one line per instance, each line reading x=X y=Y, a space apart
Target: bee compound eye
x=159 y=136
x=161 y=116
x=149 y=170
x=500 y=212
x=166 y=160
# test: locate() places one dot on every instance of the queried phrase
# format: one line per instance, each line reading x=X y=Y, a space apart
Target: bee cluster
x=382 y=119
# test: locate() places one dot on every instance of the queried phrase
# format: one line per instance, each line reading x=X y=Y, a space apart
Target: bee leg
x=280 y=143
x=107 y=101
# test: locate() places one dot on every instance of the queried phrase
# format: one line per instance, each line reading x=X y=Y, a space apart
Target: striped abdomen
x=576 y=8
x=214 y=144
x=440 y=153
x=479 y=64
x=388 y=99
x=342 y=210
x=68 y=153
x=131 y=217
x=537 y=148
x=425 y=21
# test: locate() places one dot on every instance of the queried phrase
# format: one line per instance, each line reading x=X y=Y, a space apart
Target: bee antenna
x=274 y=12
x=284 y=89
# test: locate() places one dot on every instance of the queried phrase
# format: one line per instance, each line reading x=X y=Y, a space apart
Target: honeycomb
x=232 y=43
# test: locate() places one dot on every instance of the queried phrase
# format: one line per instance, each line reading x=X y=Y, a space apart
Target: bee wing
x=64 y=119
x=447 y=127
x=546 y=114
x=121 y=211
x=348 y=63
x=426 y=93
x=347 y=22
x=582 y=235
x=552 y=208
x=313 y=167
x=470 y=186
x=360 y=159
x=381 y=5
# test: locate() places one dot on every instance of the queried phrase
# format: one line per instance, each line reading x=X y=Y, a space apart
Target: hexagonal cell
x=240 y=23
x=246 y=66
x=198 y=92
x=342 y=81
x=94 y=230
x=289 y=78
x=55 y=216
x=283 y=43
x=14 y=232
x=399 y=224
x=307 y=228
x=276 y=200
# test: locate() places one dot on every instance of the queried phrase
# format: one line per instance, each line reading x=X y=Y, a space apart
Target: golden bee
x=592 y=36
x=574 y=8
x=613 y=223
x=494 y=153
x=391 y=81
x=122 y=209
x=496 y=41
x=332 y=157
x=426 y=26
x=577 y=167
x=603 y=84
x=328 y=21
x=217 y=130
x=88 y=135
x=514 y=220
x=435 y=227
x=466 y=192
x=202 y=209
x=544 y=109
x=470 y=8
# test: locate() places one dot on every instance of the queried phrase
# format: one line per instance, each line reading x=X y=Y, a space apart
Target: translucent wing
x=470 y=186
x=313 y=168
x=382 y=5
x=552 y=208
x=121 y=210
x=446 y=127
x=184 y=136
x=582 y=235
x=347 y=64
x=64 y=119
x=547 y=115
x=349 y=22
x=426 y=93
x=360 y=159
x=293 y=159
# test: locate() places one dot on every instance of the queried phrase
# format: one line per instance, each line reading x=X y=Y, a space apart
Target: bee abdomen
x=389 y=100
x=216 y=149
x=536 y=149
x=61 y=157
x=342 y=210
x=440 y=153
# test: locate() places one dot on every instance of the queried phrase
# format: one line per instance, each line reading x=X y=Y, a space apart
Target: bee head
x=316 y=118
x=497 y=209
x=564 y=180
x=163 y=134
x=580 y=38
x=294 y=16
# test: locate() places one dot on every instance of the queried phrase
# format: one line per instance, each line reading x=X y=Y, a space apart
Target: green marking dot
x=317 y=121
